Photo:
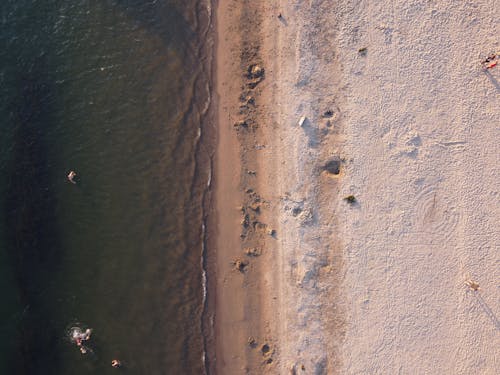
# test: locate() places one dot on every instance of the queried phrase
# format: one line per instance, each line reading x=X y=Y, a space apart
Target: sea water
x=118 y=91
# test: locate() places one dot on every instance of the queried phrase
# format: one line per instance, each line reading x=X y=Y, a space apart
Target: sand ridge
x=283 y=193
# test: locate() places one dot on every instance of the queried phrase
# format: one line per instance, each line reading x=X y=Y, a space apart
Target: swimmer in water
x=116 y=363
x=78 y=337
x=71 y=177
x=86 y=334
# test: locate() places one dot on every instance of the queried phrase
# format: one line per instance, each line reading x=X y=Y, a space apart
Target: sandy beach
x=383 y=102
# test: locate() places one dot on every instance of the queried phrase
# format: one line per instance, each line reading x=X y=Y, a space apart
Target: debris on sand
x=350 y=199
x=302 y=121
x=255 y=71
x=491 y=61
x=472 y=284
x=241 y=124
x=265 y=349
x=267 y=353
x=328 y=114
x=255 y=74
x=245 y=222
x=253 y=251
x=252 y=342
x=255 y=206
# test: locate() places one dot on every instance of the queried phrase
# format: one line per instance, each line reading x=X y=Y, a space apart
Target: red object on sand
x=492 y=64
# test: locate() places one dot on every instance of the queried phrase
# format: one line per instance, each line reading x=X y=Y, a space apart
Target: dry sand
x=377 y=286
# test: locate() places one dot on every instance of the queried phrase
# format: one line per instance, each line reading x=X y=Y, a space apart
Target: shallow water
x=115 y=90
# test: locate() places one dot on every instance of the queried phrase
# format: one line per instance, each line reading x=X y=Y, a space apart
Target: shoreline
x=209 y=223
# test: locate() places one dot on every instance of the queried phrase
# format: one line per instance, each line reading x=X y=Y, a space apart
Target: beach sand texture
x=384 y=101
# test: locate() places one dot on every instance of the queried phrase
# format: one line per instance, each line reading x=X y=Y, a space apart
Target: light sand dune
x=422 y=123
x=394 y=92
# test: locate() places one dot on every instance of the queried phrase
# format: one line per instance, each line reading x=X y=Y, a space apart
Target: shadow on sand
x=489 y=312
x=492 y=79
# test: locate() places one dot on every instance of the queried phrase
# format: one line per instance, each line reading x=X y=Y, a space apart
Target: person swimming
x=78 y=337
x=71 y=177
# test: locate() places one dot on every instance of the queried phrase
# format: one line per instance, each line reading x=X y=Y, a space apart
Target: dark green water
x=117 y=91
